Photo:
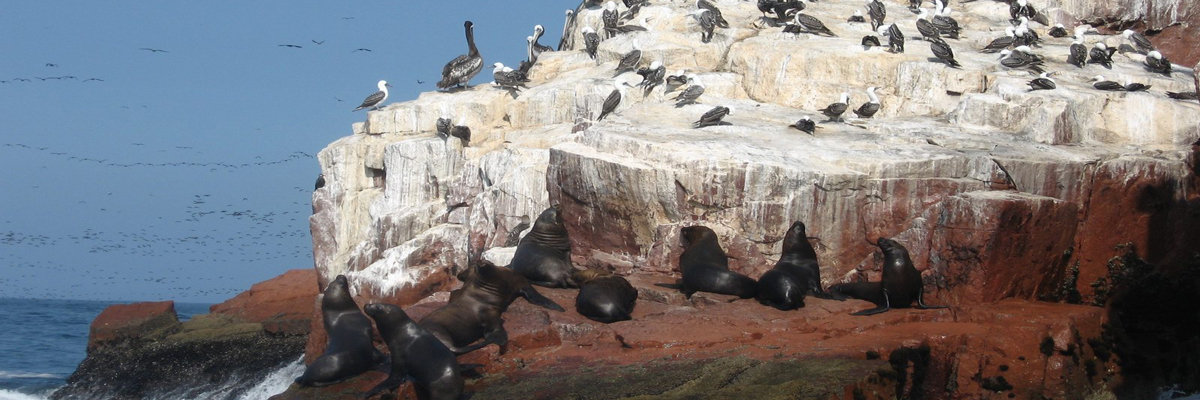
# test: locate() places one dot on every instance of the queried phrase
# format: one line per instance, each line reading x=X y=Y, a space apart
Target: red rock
x=283 y=304
x=119 y=322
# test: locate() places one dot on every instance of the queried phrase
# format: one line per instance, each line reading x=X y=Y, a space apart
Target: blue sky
x=187 y=174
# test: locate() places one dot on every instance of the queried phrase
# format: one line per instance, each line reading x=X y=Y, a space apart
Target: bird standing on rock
x=375 y=99
x=610 y=103
x=868 y=109
x=806 y=125
x=712 y=117
x=834 y=110
x=943 y=52
x=1101 y=54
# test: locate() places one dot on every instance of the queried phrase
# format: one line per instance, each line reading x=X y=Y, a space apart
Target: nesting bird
x=805 y=124
x=1003 y=42
x=1140 y=42
x=689 y=95
x=712 y=117
x=653 y=76
x=1077 y=55
x=1042 y=82
x=1102 y=84
x=1058 y=31
x=870 y=40
x=1131 y=86
x=1155 y=62
x=1101 y=54
x=375 y=99
x=506 y=78
x=630 y=61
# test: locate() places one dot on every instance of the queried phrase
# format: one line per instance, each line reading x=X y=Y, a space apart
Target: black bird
x=361 y=49
x=153 y=50
x=1021 y=58
x=609 y=18
x=712 y=117
x=591 y=41
x=834 y=110
x=806 y=125
x=1131 y=86
x=1042 y=82
x=1101 y=54
x=1102 y=84
x=1140 y=42
x=945 y=24
x=443 y=127
x=689 y=95
x=610 y=103
x=782 y=9
x=653 y=76
x=878 y=12
x=1183 y=95
x=868 y=109
x=708 y=23
x=717 y=17
x=857 y=17
x=926 y=28
x=292 y=46
x=895 y=38
x=320 y=182
x=944 y=53
x=1155 y=62
x=1021 y=8
x=677 y=80
x=462 y=132
x=1058 y=31
x=316 y=42
x=1003 y=42
x=870 y=40
x=629 y=62
x=1078 y=53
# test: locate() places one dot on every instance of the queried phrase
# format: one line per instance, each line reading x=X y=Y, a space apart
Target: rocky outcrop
x=141 y=350
x=1003 y=196
x=1171 y=24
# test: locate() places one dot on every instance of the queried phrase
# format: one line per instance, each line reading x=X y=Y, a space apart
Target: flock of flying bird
x=1015 y=49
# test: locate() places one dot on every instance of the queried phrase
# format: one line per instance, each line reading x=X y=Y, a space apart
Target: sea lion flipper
x=887 y=305
x=393 y=381
x=533 y=296
x=921 y=303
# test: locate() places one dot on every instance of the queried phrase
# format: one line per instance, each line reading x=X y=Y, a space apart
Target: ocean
x=42 y=341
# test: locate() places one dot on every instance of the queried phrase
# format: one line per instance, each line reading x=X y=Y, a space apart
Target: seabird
x=609 y=17
x=944 y=23
x=679 y=79
x=631 y=12
x=914 y=5
x=610 y=103
x=1131 y=86
x=870 y=40
x=717 y=17
x=805 y=124
x=460 y=70
x=506 y=78
x=926 y=28
x=1020 y=8
x=1003 y=42
x=320 y=182
x=811 y=24
x=628 y=28
x=781 y=9
x=1058 y=31
x=712 y=117
x=538 y=48
x=653 y=76
x=152 y=50
x=462 y=132
x=1101 y=54
x=689 y=95
x=1155 y=62
x=562 y=41
x=895 y=37
x=630 y=61
x=857 y=17
x=1102 y=84
x=868 y=109
x=1140 y=42
x=1021 y=58
x=707 y=22
x=1042 y=82
x=878 y=12
x=1183 y=95
x=591 y=41
x=443 y=127
x=944 y=53
x=375 y=99
x=1078 y=52
x=834 y=110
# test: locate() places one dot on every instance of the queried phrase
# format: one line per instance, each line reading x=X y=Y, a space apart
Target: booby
x=806 y=125
x=868 y=109
x=712 y=117
x=376 y=98
x=591 y=41
x=717 y=17
x=926 y=28
x=782 y=9
x=1026 y=36
x=945 y=24
x=562 y=41
x=708 y=23
x=1021 y=8
x=914 y=5
x=1131 y=86
x=630 y=61
x=1183 y=95
x=1140 y=42
x=538 y=48
x=460 y=70
x=857 y=17
x=610 y=103
x=631 y=12
x=679 y=79
x=654 y=76
x=1003 y=42
x=1058 y=31
x=878 y=12
x=895 y=37
x=689 y=95
x=609 y=17
x=1100 y=54
x=506 y=78
x=1155 y=62
x=1102 y=84
x=870 y=40
x=812 y=24
x=1078 y=52
x=834 y=110
x=943 y=52
x=1021 y=58
x=1042 y=82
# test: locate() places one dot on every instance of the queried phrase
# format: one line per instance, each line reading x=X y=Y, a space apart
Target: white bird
x=376 y=98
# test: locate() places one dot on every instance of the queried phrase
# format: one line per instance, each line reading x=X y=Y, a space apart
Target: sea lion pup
x=474 y=311
x=348 y=351
x=604 y=297
x=544 y=255
x=899 y=287
x=794 y=276
x=416 y=354
x=705 y=267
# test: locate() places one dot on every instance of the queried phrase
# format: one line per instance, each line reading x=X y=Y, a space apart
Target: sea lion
x=795 y=275
x=474 y=311
x=544 y=255
x=349 y=351
x=705 y=267
x=900 y=286
x=416 y=354
x=604 y=297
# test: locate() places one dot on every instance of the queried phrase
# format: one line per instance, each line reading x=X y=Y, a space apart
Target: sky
x=131 y=174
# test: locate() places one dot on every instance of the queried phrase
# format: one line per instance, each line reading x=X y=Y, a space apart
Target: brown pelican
x=460 y=70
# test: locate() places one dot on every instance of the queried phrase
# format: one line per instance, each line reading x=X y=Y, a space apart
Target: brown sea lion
x=348 y=351
x=474 y=311
x=417 y=355
x=604 y=297
x=900 y=286
x=705 y=267
x=543 y=256
x=795 y=275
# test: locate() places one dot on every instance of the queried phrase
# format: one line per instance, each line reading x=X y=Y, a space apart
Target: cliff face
x=999 y=193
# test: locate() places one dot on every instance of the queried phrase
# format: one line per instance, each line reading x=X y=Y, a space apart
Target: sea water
x=42 y=341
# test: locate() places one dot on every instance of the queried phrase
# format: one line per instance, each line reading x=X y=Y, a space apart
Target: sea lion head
x=337 y=295
x=794 y=234
x=551 y=216
x=381 y=310
x=892 y=247
x=695 y=233
x=581 y=276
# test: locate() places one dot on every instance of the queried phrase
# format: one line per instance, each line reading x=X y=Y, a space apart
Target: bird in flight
x=153 y=50
x=317 y=42
x=294 y=46
x=51 y=65
x=361 y=49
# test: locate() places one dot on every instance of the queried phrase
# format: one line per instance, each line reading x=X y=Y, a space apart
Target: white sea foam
x=27 y=375
x=275 y=382
x=6 y=394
